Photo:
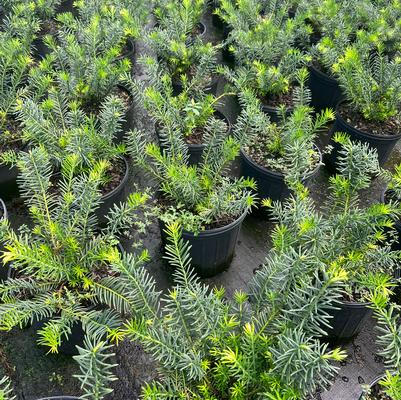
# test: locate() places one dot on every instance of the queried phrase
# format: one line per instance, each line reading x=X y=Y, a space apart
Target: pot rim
x=279 y=174
x=121 y=184
x=354 y=304
x=323 y=75
x=387 y=137
x=3 y=206
x=212 y=232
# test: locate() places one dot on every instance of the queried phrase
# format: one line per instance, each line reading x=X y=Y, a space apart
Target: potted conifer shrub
x=15 y=61
x=371 y=83
x=185 y=114
x=62 y=128
x=260 y=343
x=84 y=63
x=266 y=59
x=177 y=42
x=345 y=235
x=273 y=153
x=210 y=206
x=61 y=264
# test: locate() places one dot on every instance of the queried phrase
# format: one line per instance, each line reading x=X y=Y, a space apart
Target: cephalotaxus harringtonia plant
x=43 y=9
x=261 y=32
x=199 y=196
x=176 y=40
x=287 y=147
x=345 y=234
x=86 y=64
x=14 y=64
x=209 y=347
x=58 y=263
x=183 y=114
x=62 y=128
x=21 y=23
x=371 y=83
x=388 y=338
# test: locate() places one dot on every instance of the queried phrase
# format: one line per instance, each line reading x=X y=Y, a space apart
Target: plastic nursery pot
x=4 y=270
x=384 y=144
x=117 y=195
x=8 y=182
x=325 y=90
x=211 y=250
x=348 y=320
x=128 y=121
x=270 y=184
x=195 y=151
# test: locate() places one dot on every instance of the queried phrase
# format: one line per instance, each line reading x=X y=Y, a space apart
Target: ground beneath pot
x=35 y=374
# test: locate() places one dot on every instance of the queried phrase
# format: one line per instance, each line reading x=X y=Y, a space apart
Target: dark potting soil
x=48 y=27
x=221 y=222
x=94 y=107
x=259 y=154
x=276 y=101
x=115 y=175
x=10 y=138
x=196 y=136
x=392 y=126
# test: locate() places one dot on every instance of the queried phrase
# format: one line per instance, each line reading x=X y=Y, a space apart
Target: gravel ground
x=35 y=374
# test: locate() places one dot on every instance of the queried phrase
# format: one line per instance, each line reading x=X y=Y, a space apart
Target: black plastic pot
x=195 y=151
x=128 y=122
x=384 y=144
x=348 y=320
x=117 y=195
x=274 y=114
x=212 y=250
x=325 y=90
x=4 y=270
x=8 y=182
x=270 y=184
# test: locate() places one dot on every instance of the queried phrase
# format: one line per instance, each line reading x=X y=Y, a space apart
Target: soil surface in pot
x=48 y=27
x=259 y=154
x=196 y=137
x=94 y=107
x=115 y=175
x=390 y=127
x=11 y=139
x=221 y=222
x=275 y=101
